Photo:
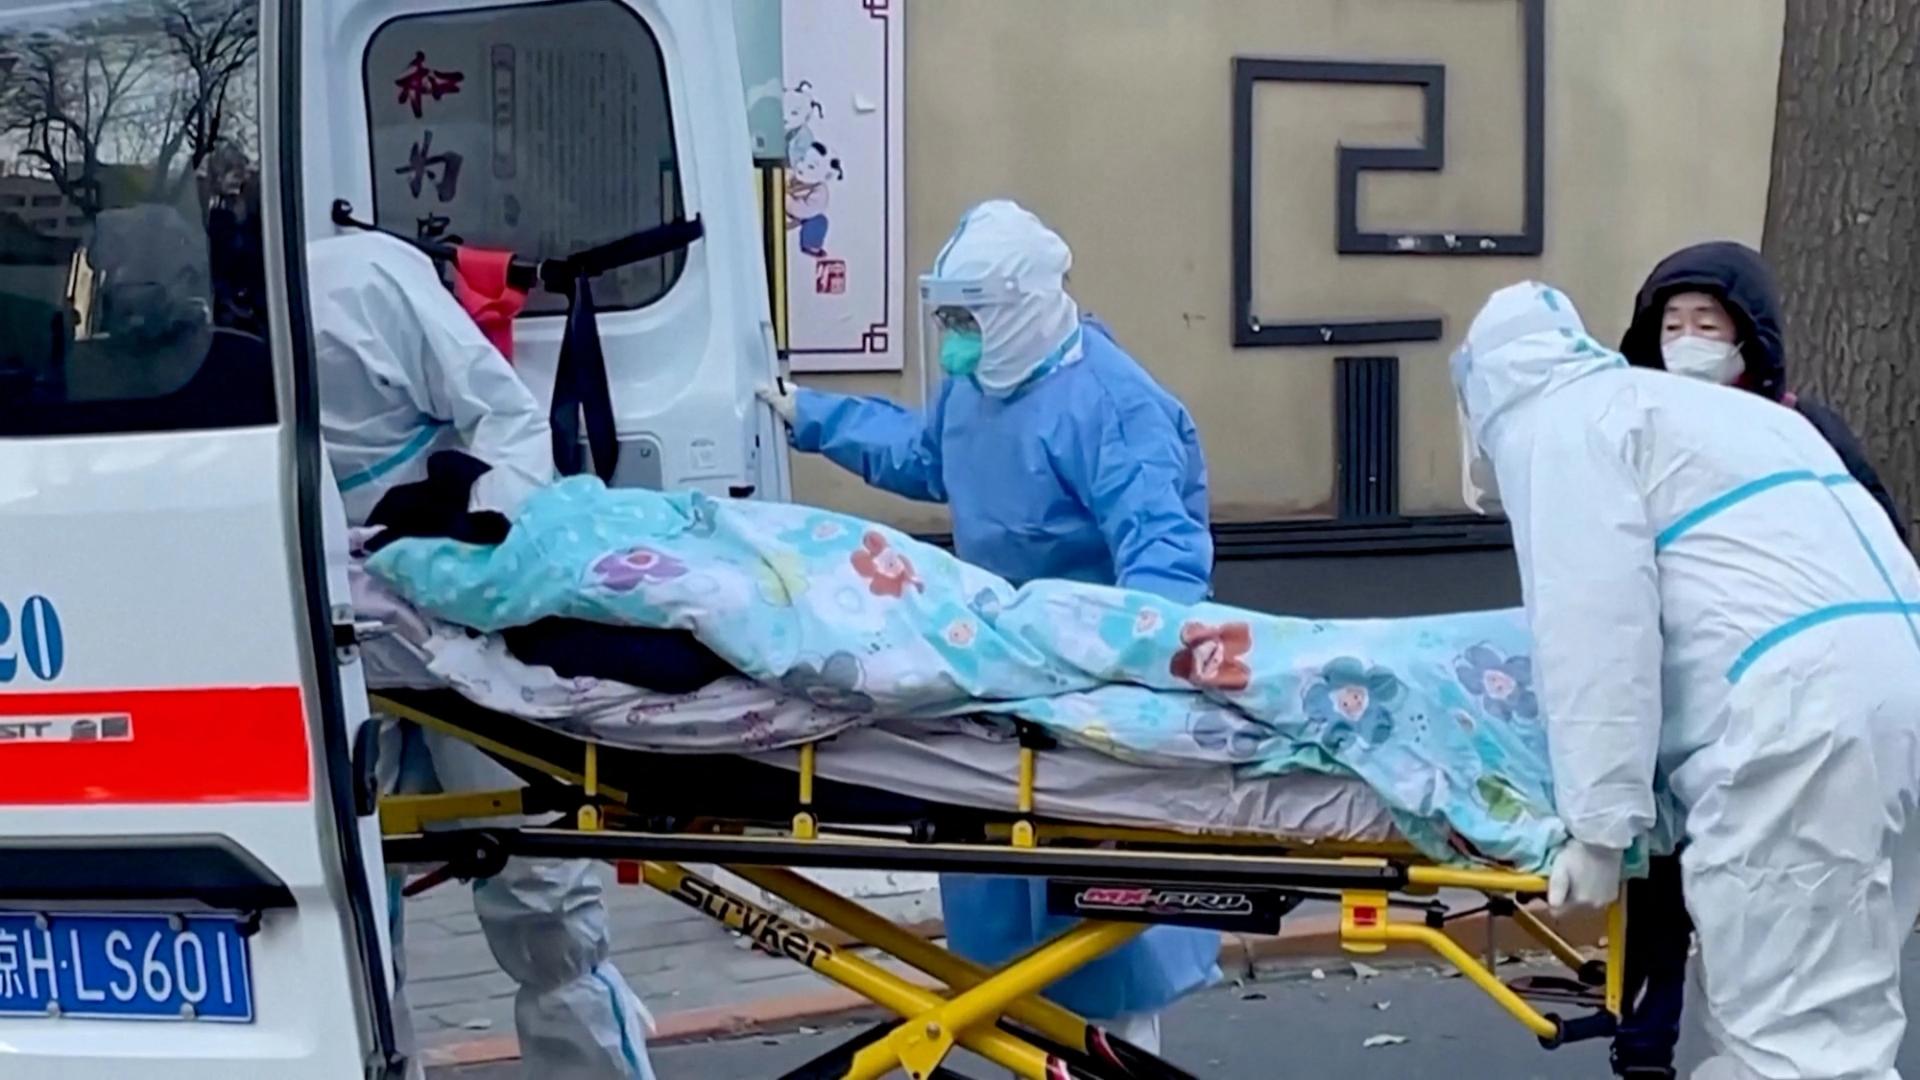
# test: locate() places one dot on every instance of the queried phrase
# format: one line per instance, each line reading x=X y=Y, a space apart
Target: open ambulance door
x=551 y=127
x=188 y=858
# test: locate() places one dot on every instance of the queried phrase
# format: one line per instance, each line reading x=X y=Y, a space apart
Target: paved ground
x=1271 y=1030
x=676 y=958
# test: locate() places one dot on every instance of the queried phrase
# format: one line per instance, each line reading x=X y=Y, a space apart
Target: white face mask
x=1703 y=358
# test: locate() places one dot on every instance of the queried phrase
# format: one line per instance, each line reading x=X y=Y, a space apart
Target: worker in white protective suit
x=403 y=373
x=1712 y=596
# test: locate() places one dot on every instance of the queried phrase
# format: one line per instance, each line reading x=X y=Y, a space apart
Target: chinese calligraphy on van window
x=418 y=83
x=542 y=129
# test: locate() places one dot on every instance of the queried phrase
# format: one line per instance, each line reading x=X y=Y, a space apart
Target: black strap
x=580 y=379
x=580 y=386
x=665 y=239
x=521 y=273
x=555 y=275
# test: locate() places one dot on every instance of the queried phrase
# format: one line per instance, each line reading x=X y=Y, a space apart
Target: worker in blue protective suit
x=404 y=372
x=1061 y=458
x=1713 y=598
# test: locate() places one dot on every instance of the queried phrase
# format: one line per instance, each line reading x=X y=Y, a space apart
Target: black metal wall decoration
x=1250 y=329
x=1367 y=427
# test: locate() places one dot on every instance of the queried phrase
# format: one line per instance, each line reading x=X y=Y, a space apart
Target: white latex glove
x=781 y=398
x=1585 y=876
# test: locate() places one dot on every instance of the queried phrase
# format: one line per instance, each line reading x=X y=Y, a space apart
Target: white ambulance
x=190 y=874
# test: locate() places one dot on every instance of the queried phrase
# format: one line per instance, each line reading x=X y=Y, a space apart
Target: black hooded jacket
x=1737 y=276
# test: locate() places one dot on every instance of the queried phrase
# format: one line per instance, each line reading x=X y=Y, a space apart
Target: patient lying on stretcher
x=840 y=622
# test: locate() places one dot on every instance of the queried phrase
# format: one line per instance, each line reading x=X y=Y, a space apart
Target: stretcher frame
x=997 y=1014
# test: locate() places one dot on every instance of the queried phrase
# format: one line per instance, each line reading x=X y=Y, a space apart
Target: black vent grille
x=1368 y=430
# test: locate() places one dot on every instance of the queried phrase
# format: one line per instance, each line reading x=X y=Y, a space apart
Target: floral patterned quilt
x=1438 y=714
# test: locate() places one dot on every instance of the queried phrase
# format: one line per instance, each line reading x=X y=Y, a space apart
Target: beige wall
x=1112 y=120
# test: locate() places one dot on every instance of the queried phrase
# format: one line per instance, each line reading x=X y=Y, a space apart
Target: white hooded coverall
x=1712 y=596
x=405 y=373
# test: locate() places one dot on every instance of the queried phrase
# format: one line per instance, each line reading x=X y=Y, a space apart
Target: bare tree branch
x=66 y=96
x=216 y=41
x=151 y=86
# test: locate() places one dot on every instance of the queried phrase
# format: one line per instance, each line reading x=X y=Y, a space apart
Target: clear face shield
x=1477 y=486
x=950 y=340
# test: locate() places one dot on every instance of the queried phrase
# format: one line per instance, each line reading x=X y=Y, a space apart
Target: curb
x=1304 y=938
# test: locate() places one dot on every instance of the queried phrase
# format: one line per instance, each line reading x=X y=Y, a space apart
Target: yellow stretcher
x=647 y=814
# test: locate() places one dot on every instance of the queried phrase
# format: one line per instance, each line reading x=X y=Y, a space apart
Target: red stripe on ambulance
x=122 y=747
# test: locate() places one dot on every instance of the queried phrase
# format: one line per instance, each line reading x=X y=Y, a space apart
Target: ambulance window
x=132 y=281
x=540 y=128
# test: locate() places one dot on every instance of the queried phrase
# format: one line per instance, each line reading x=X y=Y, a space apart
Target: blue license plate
x=125 y=967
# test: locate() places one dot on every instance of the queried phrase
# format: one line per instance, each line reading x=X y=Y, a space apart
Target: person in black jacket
x=1708 y=312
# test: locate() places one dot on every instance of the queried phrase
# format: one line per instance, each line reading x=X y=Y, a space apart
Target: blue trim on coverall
x=1895 y=605
x=1738 y=495
x=620 y=1017
x=420 y=441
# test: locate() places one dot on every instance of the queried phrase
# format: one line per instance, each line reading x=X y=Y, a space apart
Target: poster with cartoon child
x=808 y=196
x=842 y=108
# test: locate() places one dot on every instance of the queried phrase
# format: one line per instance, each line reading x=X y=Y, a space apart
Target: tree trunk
x=1843 y=221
